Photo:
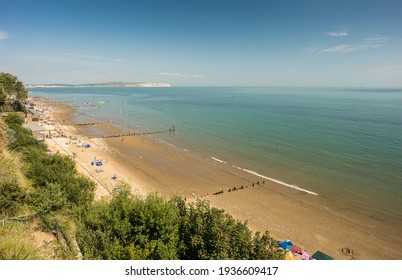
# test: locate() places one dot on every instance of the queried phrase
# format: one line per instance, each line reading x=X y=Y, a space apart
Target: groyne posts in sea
x=84 y=124
x=237 y=188
x=125 y=135
x=172 y=129
x=132 y=134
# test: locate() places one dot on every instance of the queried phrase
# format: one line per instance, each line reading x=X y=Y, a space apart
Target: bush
x=210 y=233
x=130 y=228
x=20 y=138
x=47 y=199
x=56 y=182
x=14 y=119
x=152 y=228
x=44 y=168
x=266 y=248
x=12 y=197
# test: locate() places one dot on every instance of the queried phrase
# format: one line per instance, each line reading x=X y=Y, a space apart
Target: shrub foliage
x=130 y=227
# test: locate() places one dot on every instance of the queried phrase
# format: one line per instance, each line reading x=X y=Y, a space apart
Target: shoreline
x=311 y=222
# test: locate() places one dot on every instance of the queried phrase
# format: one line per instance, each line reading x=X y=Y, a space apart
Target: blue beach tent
x=286 y=244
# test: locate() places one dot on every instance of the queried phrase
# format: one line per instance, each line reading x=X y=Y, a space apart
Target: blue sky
x=204 y=43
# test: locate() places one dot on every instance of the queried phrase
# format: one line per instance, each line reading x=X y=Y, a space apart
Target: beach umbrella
x=286 y=244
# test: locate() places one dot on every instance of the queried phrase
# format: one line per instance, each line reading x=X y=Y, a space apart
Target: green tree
x=20 y=91
x=130 y=228
x=210 y=233
x=135 y=228
x=266 y=248
x=13 y=87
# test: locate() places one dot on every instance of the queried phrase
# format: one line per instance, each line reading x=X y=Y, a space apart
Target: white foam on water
x=280 y=182
x=216 y=159
x=268 y=178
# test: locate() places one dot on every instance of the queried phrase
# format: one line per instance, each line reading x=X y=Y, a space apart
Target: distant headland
x=112 y=84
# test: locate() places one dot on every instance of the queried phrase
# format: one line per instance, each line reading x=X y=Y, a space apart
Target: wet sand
x=148 y=165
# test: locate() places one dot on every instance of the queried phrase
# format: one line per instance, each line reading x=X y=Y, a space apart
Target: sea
x=343 y=144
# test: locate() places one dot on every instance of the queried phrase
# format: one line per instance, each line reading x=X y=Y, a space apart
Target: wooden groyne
x=237 y=188
x=126 y=134
x=84 y=124
x=171 y=130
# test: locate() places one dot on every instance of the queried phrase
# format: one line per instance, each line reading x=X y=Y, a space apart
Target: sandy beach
x=148 y=165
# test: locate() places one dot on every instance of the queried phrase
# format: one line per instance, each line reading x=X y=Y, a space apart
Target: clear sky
x=204 y=43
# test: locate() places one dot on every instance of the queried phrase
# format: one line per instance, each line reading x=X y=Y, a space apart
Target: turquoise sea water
x=343 y=144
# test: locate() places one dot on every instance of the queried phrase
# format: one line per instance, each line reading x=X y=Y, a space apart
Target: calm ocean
x=343 y=144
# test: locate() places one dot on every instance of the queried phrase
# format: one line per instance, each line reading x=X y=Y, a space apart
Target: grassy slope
x=17 y=240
